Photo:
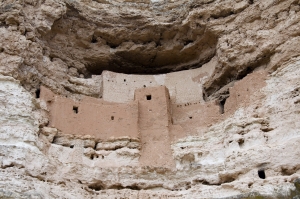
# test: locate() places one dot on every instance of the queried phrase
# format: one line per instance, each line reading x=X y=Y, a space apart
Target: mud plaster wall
x=193 y=118
x=154 y=122
x=184 y=86
x=190 y=118
x=243 y=92
x=91 y=117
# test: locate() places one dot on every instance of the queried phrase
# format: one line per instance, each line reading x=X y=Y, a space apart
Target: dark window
x=222 y=104
x=37 y=93
x=94 y=39
x=148 y=97
x=75 y=109
x=261 y=174
x=112 y=117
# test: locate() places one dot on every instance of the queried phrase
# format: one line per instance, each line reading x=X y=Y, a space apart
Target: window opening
x=148 y=97
x=37 y=93
x=222 y=104
x=112 y=117
x=75 y=109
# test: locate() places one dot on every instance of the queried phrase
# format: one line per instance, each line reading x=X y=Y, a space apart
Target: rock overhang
x=133 y=45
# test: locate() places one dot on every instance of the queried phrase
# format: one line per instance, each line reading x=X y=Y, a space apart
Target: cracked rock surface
x=52 y=42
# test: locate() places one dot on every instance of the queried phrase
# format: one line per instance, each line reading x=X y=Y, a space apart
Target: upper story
x=183 y=86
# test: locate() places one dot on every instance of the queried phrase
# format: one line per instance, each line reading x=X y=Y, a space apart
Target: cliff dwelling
x=139 y=99
x=142 y=108
x=145 y=116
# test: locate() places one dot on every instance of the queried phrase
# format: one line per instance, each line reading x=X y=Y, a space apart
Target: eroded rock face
x=81 y=38
x=65 y=46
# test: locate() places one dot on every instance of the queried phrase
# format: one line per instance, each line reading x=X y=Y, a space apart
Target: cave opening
x=261 y=173
x=120 y=65
x=94 y=40
x=97 y=186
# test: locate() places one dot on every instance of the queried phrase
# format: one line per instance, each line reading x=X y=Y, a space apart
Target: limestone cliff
x=228 y=125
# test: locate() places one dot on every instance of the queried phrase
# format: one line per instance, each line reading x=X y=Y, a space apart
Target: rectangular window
x=75 y=109
x=148 y=97
x=37 y=93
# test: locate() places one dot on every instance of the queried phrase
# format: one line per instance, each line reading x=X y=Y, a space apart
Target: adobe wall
x=154 y=122
x=91 y=116
x=154 y=107
x=183 y=86
x=193 y=118
x=243 y=93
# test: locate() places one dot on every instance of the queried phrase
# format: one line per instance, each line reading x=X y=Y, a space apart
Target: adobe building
x=153 y=115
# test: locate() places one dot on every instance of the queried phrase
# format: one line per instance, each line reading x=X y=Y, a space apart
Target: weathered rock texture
x=237 y=112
